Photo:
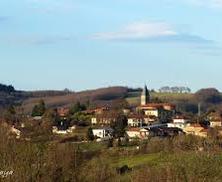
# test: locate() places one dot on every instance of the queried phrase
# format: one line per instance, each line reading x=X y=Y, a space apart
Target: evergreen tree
x=77 y=107
x=119 y=126
x=90 y=135
x=39 y=109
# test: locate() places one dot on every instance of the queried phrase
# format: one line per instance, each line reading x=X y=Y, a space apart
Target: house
x=100 y=120
x=177 y=125
x=57 y=130
x=135 y=120
x=195 y=129
x=179 y=122
x=215 y=119
x=161 y=112
x=126 y=111
x=94 y=121
x=164 y=131
x=105 y=118
x=103 y=133
x=139 y=120
x=140 y=133
x=181 y=119
x=63 y=126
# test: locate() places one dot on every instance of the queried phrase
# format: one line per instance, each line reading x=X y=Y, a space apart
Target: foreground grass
x=92 y=146
x=137 y=160
x=170 y=159
x=188 y=166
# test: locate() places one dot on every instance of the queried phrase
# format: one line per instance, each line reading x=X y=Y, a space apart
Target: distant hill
x=6 y=88
x=9 y=95
x=53 y=98
x=103 y=96
x=185 y=102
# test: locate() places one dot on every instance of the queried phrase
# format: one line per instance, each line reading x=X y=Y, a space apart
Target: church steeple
x=145 y=97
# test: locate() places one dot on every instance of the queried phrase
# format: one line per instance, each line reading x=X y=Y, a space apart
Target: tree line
x=6 y=88
x=175 y=89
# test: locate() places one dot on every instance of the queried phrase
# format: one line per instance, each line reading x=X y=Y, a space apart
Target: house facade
x=195 y=129
x=102 y=120
x=161 y=112
x=215 y=119
x=140 y=133
x=103 y=133
x=56 y=130
x=179 y=122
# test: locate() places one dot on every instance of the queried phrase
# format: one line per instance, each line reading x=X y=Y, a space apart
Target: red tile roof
x=134 y=129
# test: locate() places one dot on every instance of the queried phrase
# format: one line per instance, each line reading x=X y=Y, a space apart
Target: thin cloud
x=150 y=32
x=138 y=30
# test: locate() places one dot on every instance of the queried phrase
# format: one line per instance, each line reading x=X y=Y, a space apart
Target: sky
x=87 y=44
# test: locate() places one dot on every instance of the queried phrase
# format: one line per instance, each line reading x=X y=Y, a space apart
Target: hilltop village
x=149 y=119
x=122 y=140
x=153 y=119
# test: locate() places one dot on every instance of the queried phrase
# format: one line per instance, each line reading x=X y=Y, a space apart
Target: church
x=157 y=112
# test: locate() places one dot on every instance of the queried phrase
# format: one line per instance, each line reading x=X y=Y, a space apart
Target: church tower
x=145 y=97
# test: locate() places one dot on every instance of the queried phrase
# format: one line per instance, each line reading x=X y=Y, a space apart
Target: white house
x=56 y=130
x=181 y=119
x=177 y=125
x=134 y=120
x=152 y=112
x=214 y=124
x=94 y=121
x=102 y=120
x=140 y=133
x=104 y=133
x=179 y=122
x=215 y=119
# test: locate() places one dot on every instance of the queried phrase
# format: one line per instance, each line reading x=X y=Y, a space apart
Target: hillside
x=185 y=102
x=96 y=97
x=10 y=96
x=7 y=95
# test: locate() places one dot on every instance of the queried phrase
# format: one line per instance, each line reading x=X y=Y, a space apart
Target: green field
x=137 y=160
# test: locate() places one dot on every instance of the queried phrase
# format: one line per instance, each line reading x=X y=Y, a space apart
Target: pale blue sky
x=85 y=44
